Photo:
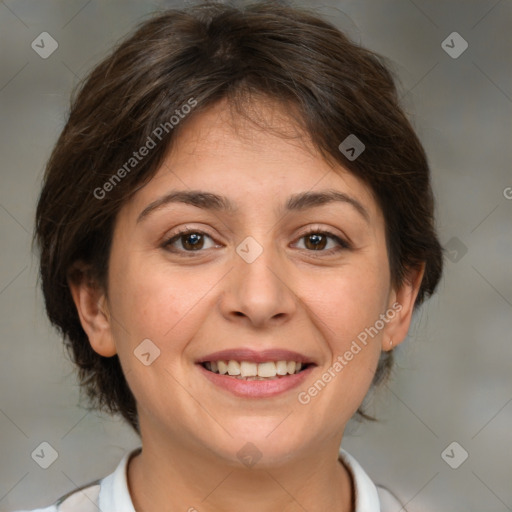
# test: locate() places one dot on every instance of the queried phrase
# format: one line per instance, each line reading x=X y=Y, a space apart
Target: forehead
x=259 y=158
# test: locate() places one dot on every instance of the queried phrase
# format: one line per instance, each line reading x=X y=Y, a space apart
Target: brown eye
x=190 y=241
x=316 y=241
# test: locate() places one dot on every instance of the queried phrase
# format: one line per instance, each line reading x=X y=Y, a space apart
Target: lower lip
x=256 y=388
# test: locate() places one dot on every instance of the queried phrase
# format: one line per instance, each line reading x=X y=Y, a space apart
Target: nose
x=259 y=292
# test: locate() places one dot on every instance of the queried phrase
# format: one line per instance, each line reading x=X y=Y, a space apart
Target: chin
x=262 y=447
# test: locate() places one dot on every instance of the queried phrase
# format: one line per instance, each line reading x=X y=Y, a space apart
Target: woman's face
x=249 y=282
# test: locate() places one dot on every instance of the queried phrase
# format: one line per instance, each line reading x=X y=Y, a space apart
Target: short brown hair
x=212 y=52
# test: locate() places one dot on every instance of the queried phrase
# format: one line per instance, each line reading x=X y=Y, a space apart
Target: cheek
x=152 y=301
x=348 y=300
x=157 y=301
x=345 y=306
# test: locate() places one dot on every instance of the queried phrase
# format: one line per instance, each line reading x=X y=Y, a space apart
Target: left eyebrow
x=305 y=200
x=215 y=202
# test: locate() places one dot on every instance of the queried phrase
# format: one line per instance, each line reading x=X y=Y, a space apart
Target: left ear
x=402 y=303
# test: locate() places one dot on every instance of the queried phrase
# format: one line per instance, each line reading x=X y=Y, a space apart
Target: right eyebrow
x=205 y=200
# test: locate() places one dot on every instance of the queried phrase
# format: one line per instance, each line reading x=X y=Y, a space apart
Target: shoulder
x=388 y=501
x=51 y=508
x=368 y=496
x=83 y=499
x=106 y=494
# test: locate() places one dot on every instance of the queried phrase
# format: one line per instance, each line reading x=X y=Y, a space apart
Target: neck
x=178 y=478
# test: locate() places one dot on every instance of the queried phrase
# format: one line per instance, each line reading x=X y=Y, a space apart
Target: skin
x=291 y=297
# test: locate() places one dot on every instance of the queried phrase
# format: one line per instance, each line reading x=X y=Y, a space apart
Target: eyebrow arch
x=211 y=201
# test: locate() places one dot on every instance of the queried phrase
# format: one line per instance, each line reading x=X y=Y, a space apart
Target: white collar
x=366 y=496
x=115 y=496
x=114 y=493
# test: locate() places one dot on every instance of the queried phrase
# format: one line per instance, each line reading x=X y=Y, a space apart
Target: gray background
x=453 y=379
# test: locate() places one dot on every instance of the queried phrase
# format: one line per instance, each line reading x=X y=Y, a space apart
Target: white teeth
x=282 y=368
x=233 y=368
x=249 y=370
x=267 y=369
x=222 y=367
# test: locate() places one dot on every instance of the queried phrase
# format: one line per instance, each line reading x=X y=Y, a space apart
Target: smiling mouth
x=249 y=370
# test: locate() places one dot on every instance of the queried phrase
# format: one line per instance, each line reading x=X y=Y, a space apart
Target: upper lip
x=261 y=356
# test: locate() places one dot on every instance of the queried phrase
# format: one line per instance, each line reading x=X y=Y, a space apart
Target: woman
x=235 y=227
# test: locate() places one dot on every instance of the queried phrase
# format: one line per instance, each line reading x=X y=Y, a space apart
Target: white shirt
x=111 y=494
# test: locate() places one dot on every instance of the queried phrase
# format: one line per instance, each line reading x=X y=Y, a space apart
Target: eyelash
x=343 y=244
